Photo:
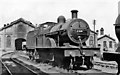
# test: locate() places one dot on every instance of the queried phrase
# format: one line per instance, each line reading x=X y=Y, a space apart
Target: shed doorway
x=18 y=43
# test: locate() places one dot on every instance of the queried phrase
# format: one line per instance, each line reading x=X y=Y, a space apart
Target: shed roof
x=107 y=37
x=17 y=21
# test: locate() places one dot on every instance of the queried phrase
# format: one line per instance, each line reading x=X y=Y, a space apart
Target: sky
x=104 y=12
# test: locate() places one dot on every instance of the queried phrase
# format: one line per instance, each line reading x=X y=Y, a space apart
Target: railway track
x=17 y=67
x=14 y=67
x=92 y=71
x=5 y=70
x=30 y=67
x=84 y=71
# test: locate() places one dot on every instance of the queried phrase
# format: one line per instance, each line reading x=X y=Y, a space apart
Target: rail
x=11 y=69
x=6 y=67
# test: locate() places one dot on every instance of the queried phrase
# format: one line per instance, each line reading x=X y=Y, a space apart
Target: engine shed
x=13 y=35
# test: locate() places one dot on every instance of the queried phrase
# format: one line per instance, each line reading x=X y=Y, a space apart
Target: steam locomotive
x=61 y=43
x=115 y=56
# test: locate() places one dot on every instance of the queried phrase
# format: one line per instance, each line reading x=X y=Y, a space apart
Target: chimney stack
x=7 y=24
x=97 y=31
x=4 y=25
x=74 y=14
x=101 y=31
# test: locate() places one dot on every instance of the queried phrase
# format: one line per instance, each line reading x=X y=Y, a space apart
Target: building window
x=21 y=31
x=104 y=44
x=8 y=41
x=91 y=40
x=110 y=44
x=105 y=48
x=115 y=45
x=21 y=28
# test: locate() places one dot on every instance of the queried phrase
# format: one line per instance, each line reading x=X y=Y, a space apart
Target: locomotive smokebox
x=74 y=14
x=117 y=27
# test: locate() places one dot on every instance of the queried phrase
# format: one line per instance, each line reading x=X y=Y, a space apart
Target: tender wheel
x=71 y=66
x=35 y=55
x=76 y=66
x=90 y=63
x=89 y=66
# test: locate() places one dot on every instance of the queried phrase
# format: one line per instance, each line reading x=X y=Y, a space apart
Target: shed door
x=18 y=43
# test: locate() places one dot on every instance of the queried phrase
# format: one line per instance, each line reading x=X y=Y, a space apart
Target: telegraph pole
x=94 y=23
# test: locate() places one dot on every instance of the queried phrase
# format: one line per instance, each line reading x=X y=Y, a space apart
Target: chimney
x=101 y=31
x=74 y=14
x=7 y=24
x=97 y=31
x=4 y=25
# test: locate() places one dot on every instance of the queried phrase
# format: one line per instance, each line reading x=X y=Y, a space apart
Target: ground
x=97 y=70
